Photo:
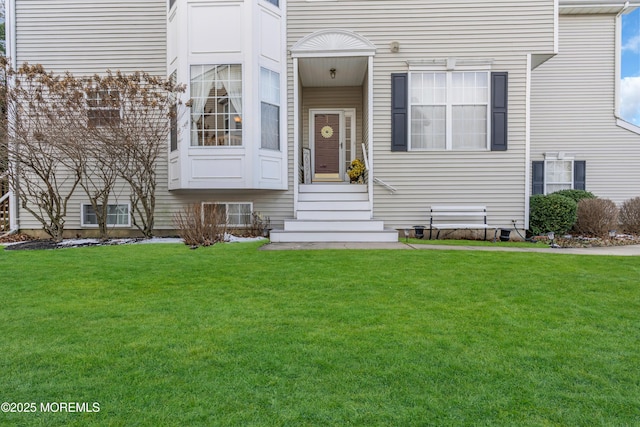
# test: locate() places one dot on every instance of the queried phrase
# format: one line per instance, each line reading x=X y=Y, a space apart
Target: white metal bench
x=459 y=218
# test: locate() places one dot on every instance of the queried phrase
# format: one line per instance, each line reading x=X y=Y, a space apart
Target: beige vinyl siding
x=86 y=37
x=503 y=32
x=470 y=27
x=332 y=98
x=573 y=107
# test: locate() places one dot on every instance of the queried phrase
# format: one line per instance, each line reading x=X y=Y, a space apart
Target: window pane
x=239 y=214
x=216 y=109
x=428 y=88
x=269 y=86
x=428 y=127
x=117 y=214
x=552 y=188
x=469 y=127
x=270 y=126
x=89 y=215
x=275 y=2
x=103 y=108
x=558 y=175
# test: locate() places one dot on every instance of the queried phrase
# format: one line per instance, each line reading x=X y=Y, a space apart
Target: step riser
x=333 y=197
x=333 y=225
x=332 y=188
x=364 y=237
x=334 y=215
x=334 y=206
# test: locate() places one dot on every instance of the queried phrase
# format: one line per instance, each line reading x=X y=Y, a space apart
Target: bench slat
x=458 y=208
x=468 y=226
x=440 y=214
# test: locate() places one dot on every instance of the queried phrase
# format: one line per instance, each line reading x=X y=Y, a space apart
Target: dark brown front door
x=327 y=146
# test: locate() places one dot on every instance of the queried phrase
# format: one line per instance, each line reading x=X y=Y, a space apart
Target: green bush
x=551 y=213
x=576 y=195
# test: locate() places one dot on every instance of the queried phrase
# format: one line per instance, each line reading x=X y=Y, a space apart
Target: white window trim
x=554 y=157
x=279 y=105
x=227 y=210
x=449 y=108
x=84 y=225
x=451 y=64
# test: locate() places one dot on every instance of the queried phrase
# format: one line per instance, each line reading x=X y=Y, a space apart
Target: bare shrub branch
x=64 y=132
x=596 y=217
x=630 y=215
x=40 y=113
x=200 y=225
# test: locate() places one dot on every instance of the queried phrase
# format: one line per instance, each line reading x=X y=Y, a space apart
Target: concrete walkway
x=627 y=250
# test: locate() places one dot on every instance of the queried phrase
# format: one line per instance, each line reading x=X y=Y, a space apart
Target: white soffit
x=333 y=49
x=582 y=7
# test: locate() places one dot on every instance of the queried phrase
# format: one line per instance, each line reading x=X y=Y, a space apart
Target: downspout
x=618 y=60
x=296 y=139
x=10 y=45
x=527 y=154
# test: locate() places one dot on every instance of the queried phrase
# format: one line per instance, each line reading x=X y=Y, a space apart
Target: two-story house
x=446 y=102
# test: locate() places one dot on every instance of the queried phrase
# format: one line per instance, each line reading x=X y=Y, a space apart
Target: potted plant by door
x=356 y=172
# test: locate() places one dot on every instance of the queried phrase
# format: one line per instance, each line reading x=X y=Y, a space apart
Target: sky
x=630 y=69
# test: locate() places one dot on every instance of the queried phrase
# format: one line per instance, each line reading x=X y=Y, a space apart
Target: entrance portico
x=332 y=107
x=332 y=125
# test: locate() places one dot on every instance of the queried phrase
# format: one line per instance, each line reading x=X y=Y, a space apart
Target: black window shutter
x=499 y=95
x=399 y=102
x=579 y=175
x=538 y=177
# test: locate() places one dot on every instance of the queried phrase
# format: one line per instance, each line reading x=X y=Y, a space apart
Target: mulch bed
x=570 y=241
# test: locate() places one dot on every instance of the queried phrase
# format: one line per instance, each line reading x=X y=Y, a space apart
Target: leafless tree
x=40 y=109
x=134 y=130
x=65 y=132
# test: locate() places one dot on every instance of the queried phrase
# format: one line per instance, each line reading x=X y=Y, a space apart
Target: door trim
x=351 y=112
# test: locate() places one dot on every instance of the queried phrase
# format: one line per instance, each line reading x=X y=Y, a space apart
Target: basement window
x=117 y=215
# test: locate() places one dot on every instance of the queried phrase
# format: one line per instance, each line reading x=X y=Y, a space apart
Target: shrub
x=630 y=215
x=596 y=217
x=576 y=195
x=551 y=213
x=256 y=228
x=200 y=226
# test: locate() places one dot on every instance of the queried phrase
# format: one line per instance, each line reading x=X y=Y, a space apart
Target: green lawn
x=162 y=335
x=456 y=242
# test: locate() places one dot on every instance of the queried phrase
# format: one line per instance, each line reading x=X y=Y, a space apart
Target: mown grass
x=229 y=335
x=458 y=242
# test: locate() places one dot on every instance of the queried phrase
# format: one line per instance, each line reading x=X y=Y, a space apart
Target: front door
x=327 y=146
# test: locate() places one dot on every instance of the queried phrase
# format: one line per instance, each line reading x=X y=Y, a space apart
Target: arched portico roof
x=332 y=43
